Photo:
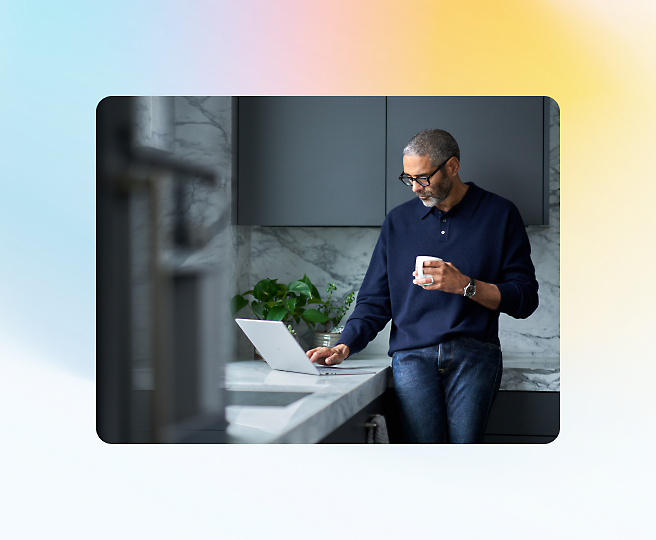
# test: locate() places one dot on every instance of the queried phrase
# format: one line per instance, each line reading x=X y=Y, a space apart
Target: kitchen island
x=268 y=406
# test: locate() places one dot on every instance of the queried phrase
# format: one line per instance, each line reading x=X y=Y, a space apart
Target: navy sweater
x=483 y=236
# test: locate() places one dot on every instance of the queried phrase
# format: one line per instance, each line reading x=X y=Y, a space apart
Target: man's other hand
x=329 y=357
x=442 y=276
x=446 y=277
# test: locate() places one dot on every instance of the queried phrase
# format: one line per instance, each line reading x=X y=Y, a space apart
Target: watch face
x=470 y=290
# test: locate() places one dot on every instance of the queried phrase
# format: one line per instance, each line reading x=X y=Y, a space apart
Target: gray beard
x=446 y=191
x=431 y=201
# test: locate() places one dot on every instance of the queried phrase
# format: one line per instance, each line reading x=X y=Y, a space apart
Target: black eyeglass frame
x=405 y=178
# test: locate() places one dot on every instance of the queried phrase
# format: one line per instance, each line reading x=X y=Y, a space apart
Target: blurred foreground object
x=160 y=347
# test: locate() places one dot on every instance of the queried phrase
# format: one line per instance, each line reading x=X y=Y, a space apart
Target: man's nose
x=416 y=186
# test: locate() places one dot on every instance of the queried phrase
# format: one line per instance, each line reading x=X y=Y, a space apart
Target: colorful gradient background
x=58 y=60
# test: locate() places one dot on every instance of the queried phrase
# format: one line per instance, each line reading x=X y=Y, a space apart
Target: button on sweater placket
x=444 y=229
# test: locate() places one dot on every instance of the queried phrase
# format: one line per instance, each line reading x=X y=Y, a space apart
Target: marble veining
x=540 y=380
x=153 y=122
x=337 y=255
x=203 y=133
x=340 y=254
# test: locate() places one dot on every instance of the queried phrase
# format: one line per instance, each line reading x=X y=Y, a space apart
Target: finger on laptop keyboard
x=319 y=355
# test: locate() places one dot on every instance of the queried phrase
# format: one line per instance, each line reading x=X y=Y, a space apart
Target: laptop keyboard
x=342 y=371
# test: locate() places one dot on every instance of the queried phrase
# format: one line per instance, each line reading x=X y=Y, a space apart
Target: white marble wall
x=337 y=255
x=153 y=122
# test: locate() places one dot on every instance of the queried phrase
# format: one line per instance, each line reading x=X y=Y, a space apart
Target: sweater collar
x=466 y=206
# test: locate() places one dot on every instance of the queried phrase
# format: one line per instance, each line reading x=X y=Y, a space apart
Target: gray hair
x=434 y=143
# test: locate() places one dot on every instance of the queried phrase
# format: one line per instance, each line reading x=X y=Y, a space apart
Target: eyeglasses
x=407 y=179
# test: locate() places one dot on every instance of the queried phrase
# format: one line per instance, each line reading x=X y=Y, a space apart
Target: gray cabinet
x=517 y=417
x=335 y=161
x=311 y=161
x=503 y=145
x=522 y=417
x=354 y=430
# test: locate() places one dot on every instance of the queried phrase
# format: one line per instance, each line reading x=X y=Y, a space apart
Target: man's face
x=440 y=184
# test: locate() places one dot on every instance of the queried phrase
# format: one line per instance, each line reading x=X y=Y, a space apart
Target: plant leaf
x=299 y=287
x=276 y=314
x=315 y=316
x=258 y=309
x=313 y=289
x=265 y=289
x=290 y=304
x=259 y=291
x=237 y=303
x=316 y=301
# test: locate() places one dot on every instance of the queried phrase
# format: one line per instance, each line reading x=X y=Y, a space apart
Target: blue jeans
x=445 y=392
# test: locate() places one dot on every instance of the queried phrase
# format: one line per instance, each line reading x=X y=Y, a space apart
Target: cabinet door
x=311 y=161
x=503 y=145
x=524 y=417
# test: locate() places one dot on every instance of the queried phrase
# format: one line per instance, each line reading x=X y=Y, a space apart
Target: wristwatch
x=470 y=290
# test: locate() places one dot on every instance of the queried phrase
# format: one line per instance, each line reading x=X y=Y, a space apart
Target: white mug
x=419 y=264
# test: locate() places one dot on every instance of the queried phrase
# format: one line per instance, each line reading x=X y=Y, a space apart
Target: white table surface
x=332 y=400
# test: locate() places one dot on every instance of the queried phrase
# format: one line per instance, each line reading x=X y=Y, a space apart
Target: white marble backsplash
x=203 y=135
x=337 y=255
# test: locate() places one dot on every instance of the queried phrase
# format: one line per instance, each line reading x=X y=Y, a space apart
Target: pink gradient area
x=288 y=47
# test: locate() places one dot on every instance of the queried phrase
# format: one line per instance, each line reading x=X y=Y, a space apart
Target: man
x=444 y=337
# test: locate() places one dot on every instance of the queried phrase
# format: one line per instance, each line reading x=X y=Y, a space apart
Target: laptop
x=283 y=353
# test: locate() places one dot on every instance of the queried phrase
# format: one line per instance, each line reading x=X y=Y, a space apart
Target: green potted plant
x=334 y=314
x=273 y=301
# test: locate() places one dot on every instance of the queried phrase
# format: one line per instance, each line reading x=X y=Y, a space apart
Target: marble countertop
x=531 y=373
x=331 y=401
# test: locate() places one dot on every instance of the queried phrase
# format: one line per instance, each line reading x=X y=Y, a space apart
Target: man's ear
x=452 y=166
